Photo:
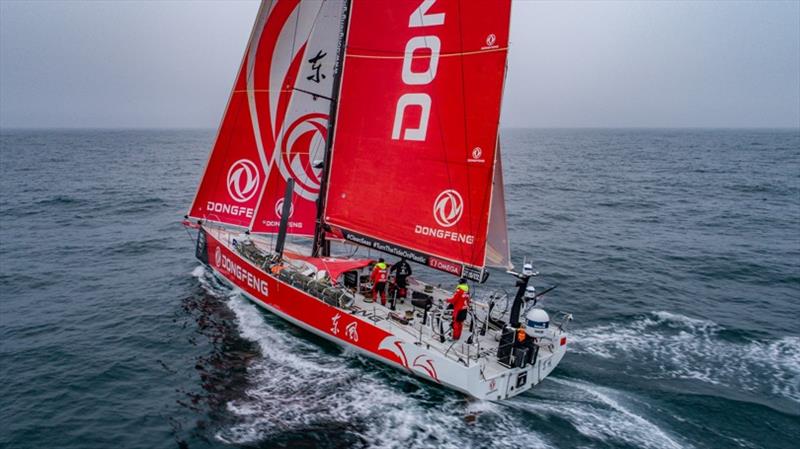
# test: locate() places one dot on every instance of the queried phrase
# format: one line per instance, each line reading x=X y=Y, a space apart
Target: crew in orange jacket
x=379 y=276
x=460 y=302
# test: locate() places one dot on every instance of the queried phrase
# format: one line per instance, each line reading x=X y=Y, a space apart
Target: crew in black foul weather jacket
x=401 y=270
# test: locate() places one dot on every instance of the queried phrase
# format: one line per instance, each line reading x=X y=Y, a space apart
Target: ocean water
x=677 y=251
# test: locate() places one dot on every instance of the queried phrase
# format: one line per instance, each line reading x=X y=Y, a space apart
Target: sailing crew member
x=401 y=270
x=460 y=302
x=380 y=273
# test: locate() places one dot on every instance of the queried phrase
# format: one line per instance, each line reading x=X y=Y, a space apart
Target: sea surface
x=677 y=251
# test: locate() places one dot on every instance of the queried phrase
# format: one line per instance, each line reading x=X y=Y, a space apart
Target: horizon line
x=210 y=128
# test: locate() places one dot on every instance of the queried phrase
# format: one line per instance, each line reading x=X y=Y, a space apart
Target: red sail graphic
x=277 y=117
x=416 y=131
x=301 y=72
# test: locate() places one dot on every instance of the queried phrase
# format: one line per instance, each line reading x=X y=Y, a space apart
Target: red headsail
x=275 y=125
x=416 y=130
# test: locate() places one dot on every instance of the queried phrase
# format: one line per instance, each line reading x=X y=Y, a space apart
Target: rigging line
x=441 y=55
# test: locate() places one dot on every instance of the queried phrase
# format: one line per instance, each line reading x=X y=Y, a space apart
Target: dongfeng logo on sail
x=447 y=210
x=242 y=182
x=279 y=212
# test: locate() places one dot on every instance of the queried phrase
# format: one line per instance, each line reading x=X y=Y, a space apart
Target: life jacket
x=380 y=273
x=460 y=300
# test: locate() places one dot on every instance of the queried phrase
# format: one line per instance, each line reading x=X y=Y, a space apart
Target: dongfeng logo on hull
x=243 y=180
x=447 y=208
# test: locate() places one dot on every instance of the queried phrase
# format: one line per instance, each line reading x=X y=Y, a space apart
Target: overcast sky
x=572 y=64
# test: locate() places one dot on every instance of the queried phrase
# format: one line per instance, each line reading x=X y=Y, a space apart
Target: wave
x=600 y=414
x=680 y=347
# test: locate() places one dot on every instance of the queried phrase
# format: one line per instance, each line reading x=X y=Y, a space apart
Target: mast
x=321 y=246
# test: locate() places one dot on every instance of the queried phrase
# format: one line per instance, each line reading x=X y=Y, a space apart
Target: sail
x=416 y=130
x=299 y=113
x=498 y=249
x=275 y=124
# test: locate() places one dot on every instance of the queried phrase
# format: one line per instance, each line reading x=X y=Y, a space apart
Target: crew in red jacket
x=460 y=302
x=379 y=276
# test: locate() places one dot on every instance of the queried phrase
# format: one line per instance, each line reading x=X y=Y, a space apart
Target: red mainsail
x=416 y=132
x=275 y=125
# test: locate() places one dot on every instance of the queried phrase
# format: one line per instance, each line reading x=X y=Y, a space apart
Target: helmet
x=462 y=281
x=530 y=292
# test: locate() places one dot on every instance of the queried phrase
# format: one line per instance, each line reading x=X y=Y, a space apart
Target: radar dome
x=536 y=322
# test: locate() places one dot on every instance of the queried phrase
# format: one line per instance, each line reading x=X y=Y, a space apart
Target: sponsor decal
x=444 y=235
x=422 y=361
x=221 y=208
x=444 y=265
x=352 y=331
x=335 y=324
x=224 y=263
x=386 y=247
x=477 y=155
x=279 y=208
x=278 y=211
x=448 y=208
x=474 y=274
x=243 y=180
x=447 y=211
x=522 y=379
x=201 y=250
x=419 y=79
x=426 y=364
x=491 y=42
x=395 y=346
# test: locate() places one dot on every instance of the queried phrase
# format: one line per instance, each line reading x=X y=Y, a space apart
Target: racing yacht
x=371 y=127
